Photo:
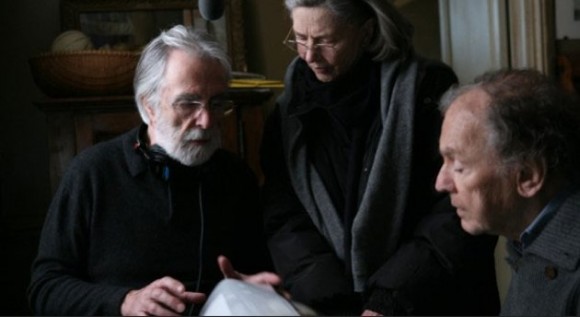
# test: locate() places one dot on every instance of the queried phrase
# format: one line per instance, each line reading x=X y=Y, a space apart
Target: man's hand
x=228 y=271
x=163 y=297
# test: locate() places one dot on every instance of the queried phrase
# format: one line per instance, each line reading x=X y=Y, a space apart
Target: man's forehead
x=464 y=127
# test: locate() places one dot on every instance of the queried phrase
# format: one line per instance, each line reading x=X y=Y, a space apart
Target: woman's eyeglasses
x=301 y=47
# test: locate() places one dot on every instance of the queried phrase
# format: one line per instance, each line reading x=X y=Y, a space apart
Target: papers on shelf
x=255 y=83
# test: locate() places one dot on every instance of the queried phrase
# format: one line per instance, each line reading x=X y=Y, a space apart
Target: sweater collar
x=550 y=245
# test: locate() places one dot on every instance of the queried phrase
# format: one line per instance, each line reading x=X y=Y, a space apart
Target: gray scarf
x=377 y=226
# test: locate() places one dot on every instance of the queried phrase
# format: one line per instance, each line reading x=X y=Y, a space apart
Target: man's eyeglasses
x=301 y=47
x=193 y=107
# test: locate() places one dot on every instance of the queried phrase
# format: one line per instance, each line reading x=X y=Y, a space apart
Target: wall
x=27 y=29
x=424 y=15
x=267 y=24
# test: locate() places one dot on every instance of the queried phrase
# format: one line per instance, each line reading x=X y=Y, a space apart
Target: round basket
x=85 y=73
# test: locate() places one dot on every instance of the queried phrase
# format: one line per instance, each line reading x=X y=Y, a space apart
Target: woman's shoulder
x=435 y=77
x=433 y=68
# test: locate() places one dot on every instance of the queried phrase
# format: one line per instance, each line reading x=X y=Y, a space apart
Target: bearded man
x=139 y=221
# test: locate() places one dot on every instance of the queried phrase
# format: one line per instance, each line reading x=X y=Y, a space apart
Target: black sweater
x=115 y=225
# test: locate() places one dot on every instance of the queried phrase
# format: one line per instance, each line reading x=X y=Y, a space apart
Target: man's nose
x=205 y=118
x=443 y=183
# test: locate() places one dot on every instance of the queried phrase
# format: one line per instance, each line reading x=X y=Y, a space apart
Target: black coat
x=435 y=268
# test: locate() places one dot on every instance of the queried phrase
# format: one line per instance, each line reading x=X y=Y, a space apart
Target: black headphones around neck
x=155 y=155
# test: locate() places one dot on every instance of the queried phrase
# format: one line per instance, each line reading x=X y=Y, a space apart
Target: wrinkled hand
x=163 y=297
x=267 y=278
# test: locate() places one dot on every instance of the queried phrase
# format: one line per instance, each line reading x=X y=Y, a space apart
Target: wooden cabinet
x=77 y=123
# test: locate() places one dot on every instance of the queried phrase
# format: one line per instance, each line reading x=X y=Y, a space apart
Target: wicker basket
x=85 y=73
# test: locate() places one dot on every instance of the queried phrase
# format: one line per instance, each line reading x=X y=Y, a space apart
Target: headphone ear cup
x=155 y=155
x=159 y=162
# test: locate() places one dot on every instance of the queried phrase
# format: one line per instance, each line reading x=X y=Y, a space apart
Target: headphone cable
x=200 y=248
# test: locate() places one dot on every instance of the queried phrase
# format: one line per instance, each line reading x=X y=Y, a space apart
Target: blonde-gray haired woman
x=350 y=158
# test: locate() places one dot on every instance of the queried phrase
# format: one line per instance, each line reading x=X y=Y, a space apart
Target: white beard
x=184 y=151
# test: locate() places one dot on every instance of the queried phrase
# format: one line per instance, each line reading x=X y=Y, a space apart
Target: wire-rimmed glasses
x=301 y=47
x=217 y=107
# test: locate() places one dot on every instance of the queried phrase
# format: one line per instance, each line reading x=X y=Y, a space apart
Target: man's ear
x=531 y=178
x=148 y=109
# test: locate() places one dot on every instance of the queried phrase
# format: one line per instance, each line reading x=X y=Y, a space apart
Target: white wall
x=473 y=36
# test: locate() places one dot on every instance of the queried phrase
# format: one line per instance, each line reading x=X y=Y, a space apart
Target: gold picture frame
x=105 y=16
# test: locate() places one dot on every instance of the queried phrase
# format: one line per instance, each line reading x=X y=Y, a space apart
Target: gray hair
x=530 y=119
x=393 y=36
x=150 y=72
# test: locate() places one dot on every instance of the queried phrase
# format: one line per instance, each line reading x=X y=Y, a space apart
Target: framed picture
x=567 y=19
x=131 y=24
